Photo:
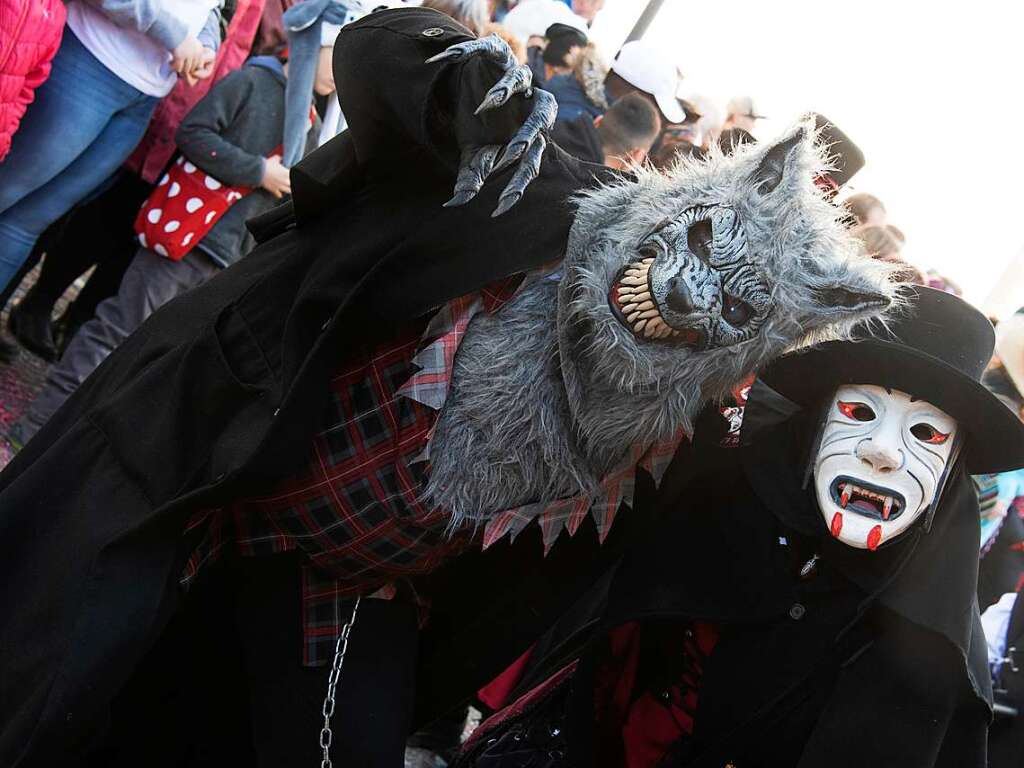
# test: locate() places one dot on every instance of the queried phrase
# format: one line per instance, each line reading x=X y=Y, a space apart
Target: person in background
x=1001 y=496
x=581 y=91
x=99 y=232
x=30 y=33
x=731 y=138
x=866 y=209
x=518 y=49
x=640 y=67
x=116 y=60
x=740 y=113
x=672 y=135
x=564 y=44
x=587 y=9
x=235 y=135
x=530 y=19
x=881 y=244
x=620 y=138
x=1003 y=622
x=472 y=14
x=627 y=131
x=709 y=124
x=666 y=155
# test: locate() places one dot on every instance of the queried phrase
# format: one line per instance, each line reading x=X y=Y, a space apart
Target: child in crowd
x=117 y=59
x=234 y=135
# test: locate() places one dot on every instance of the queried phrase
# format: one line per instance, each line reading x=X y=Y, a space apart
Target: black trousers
x=224 y=685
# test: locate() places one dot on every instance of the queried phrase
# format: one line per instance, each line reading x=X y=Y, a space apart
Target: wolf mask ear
x=855 y=290
x=779 y=160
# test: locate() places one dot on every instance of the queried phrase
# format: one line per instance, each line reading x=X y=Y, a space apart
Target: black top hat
x=936 y=347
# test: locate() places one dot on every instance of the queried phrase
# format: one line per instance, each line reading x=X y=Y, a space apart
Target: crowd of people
x=147 y=146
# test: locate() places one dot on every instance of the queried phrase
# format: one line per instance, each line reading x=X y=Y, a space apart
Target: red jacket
x=30 y=33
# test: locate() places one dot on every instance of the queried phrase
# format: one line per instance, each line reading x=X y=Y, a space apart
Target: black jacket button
x=797 y=611
x=433 y=32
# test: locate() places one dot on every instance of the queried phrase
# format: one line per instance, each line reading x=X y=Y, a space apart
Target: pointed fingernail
x=492 y=100
x=509 y=156
x=439 y=57
x=459 y=198
x=505 y=202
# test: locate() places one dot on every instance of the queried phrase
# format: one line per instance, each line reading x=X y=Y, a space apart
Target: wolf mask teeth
x=633 y=304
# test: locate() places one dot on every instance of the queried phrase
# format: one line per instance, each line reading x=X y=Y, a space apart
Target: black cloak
x=875 y=658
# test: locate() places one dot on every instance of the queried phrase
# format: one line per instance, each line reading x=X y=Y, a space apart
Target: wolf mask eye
x=699 y=238
x=735 y=312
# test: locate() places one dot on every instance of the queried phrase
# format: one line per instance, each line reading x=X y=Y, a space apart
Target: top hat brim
x=995 y=435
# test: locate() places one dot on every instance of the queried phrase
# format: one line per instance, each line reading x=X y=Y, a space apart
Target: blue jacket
x=572 y=101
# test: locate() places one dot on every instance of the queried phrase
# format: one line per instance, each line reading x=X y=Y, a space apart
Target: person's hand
x=526 y=149
x=187 y=57
x=205 y=68
x=276 y=178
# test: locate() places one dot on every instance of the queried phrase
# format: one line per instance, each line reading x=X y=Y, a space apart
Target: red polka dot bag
x=182 y=209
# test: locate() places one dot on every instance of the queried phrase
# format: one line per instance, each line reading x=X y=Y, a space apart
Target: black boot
x=30 y=324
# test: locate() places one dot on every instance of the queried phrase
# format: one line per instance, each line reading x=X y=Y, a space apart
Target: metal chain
x=332 y=682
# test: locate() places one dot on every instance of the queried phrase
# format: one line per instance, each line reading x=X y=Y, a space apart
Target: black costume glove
x=527 y=146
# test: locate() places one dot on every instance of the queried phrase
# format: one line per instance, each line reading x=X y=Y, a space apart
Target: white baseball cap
x=645 y=67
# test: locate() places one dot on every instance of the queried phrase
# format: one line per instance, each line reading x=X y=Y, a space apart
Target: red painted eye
x=857 y=411
x=926 y=433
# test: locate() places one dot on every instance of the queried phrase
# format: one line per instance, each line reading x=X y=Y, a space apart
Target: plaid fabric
x=354 y=510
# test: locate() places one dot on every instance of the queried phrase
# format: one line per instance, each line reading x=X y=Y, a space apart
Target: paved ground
x=21 y=379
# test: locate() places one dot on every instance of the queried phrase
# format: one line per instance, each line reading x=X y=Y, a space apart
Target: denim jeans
x=82 y=125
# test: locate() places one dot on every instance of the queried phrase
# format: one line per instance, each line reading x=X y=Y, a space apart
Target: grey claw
x=527 y=171
x=474 y=167
x=491 y=46
x=519 y=79
x=449 y=53
x=512 y=153
x=495 y=97
x=460 y=198
x=505 y=202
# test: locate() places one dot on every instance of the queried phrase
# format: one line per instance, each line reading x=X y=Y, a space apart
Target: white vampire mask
x=882 y=458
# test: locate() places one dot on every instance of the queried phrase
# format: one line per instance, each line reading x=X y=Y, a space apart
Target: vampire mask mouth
x=881 y=462
x=692 y=283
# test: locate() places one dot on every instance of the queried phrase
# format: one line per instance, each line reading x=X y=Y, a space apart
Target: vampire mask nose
x=679 y=299
x=879 y=456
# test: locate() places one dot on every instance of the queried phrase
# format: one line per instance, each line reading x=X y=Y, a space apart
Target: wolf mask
x=673 y=289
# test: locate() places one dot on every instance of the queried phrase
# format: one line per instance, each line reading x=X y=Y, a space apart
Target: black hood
x=928 y=577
